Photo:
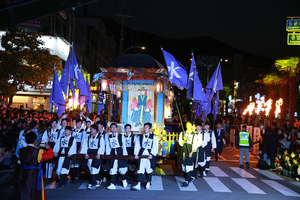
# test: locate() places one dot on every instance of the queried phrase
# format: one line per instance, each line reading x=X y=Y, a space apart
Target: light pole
x=134 y=47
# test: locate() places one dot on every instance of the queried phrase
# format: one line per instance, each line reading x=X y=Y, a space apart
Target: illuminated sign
x=32 y=24
x=293 y=39
x=293 y=25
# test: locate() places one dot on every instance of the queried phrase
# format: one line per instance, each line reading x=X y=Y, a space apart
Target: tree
x=290 y=66
x=24 y=62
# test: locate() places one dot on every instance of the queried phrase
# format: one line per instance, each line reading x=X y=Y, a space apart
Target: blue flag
x=65 y=76
x=177 y=72
x=57 y=97
x=215 y=83
x=198 y=92
x=83 y=90
x=190 y=87
x=89 y=98
x=75 y=70
x=100 y=103
x=216 y=104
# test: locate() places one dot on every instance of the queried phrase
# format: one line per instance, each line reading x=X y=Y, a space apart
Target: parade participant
x=188 y=141
x=116 y=146
x=62 y=126
x=130 y=141
x=29 y=184
x=86 y=118
x=74 y=124
x=210 y=141
x=80 y=135
x=244 y=143
x=146 y=145
x=94 y=145
x=66 y=145
x=220 y=139
x=51 y=136
x=88 y=128
x=105 y=164
x=199 y=134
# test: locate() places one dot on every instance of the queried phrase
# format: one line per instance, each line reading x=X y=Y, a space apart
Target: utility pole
x=122 y=28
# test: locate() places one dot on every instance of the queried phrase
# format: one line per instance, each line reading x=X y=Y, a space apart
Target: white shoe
x=89 y=186
x=124 y=183
x=148 y=186
x=111 y=187
x=98 y=183
x=137 y=187
x=204 y=174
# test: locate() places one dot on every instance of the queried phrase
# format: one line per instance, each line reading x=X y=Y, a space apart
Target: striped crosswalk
x=221 y=179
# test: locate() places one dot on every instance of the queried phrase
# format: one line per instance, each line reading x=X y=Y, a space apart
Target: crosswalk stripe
x=51 y=186
x=242 y=172
x=295 y=183
x=217 y=171
x=249 y=187
x=83 y=186
x=190 y=187
x=268 y=174
x=216 y=184
x=156 y=183
x=280 y=188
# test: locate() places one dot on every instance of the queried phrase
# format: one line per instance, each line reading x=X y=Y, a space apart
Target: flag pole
x=52 y=94
x=70 y=54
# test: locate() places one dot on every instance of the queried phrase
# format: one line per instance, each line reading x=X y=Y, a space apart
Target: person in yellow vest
x=244 y=143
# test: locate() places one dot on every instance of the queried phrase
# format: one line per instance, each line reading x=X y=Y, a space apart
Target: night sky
x=256 y=26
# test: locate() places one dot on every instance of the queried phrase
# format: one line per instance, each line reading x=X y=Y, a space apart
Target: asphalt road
x=225 y=181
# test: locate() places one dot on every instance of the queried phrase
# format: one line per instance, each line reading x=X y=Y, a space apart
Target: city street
x=225 y=180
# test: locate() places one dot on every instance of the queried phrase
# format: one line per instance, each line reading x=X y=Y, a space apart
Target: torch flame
x=259 y=106
x=269 y=106
x=278 y=104
x=249 y=109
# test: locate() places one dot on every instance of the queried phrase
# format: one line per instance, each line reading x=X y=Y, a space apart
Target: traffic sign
x=293 y=39
x=293 y=25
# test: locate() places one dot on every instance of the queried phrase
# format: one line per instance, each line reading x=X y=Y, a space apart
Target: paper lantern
x=104 y=85
x=158 y=87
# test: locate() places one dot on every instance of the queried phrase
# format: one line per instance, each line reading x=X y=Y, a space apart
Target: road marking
x=280 y=188
x=249 y=187
x=216 y=184
x=52 y=186
x=217 y=171
x=269 y=174
x=190 y=187
x=242 y=172
x=156 y=183
x=295 y=183
x=224 y=159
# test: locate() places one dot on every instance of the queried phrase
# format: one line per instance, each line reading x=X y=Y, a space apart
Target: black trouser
x=272 y=155
x=140 y=177
x=94 y=178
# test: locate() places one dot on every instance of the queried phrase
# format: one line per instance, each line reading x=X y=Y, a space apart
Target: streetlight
x=134 y=47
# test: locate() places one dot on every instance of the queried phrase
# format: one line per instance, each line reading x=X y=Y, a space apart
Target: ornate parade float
x=135 y=89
